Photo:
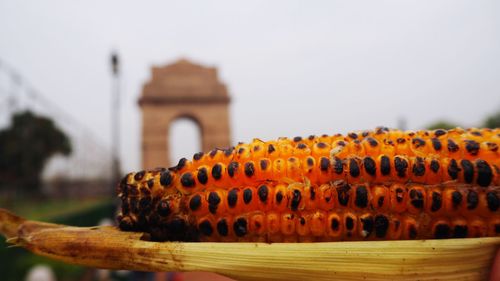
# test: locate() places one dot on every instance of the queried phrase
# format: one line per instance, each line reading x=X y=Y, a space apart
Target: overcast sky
x=292 y=68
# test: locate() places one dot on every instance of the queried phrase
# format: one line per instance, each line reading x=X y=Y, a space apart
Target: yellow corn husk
x=107 y=247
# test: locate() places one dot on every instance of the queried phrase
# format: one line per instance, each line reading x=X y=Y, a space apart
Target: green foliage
x=492 y=121
x=442 y=124
x=25 y=148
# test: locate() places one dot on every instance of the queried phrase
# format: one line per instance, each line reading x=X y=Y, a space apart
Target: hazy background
x=292 y=68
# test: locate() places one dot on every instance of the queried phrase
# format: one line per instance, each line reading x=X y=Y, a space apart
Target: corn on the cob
x=383 y=184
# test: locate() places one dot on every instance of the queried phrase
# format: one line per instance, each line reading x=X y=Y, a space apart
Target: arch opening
x=184 y=139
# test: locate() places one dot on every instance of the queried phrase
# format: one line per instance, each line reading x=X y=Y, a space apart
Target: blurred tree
x=492 y=121
x=26 y=146
x=442 y=124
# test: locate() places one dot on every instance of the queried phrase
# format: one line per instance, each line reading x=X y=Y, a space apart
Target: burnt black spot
x=472 y=200
x=417 y=198
x=297 y=139
x=381 y=226
x=401 y=165
x=151 y=183
x=361 y=200
x=353 y=136
x=145 y=204
x=217 y=171
x=270 y=149
x=380 y=201
x=126 y=224
x=385 y=165
x=412 y=232
x=434 y=165
x=202 y=175
x=492 y=200
x=310 y=161
x=249 y=169
x=418 y=142
x=139 y=175
x=370 y=166
x=341 y=143
x=279 y=197
x=343 y=194
x=453 y=169
x=296 y=197
x=240 y=227
x=353 y=168
x=349 y=223
x=442 y=231
x=492 y=146
x=263 y=192
x=195 y=202
x=205 y=228
x=436 y=143
x=228 y=151
x=321 y=145
x=163 y=208
x=365 y=133
x=399 y=195
x=302 y=220
x=334 y=224
x=324 y=164
x=456 y=199
x=241 y=150
x=187 y=180
x=166 y=178
x=301 y=146
x=197 y=156
x=312 y=193
x=476 y=133
x=256 y=148
x=213 y=201
x=125 y=207
x=232 y=197
x=401 y=140
x=247 y=195
x=264 y=163
x=468 y=169
x=338 y=166
x=472 y=147
x=232 y=168
x=418 y=168
x=497 y=228
x=460 y=231
x=177 y=229
x=439 y=132
x=222 y=227
x=437 y=201
x=213 y=152
x=372 y=142
x=181 y=164
x=452 y=146
x=367 y=223
x=484 y=173
x=311 y=137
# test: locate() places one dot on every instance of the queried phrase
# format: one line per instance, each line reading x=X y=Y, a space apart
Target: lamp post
x=115 y=119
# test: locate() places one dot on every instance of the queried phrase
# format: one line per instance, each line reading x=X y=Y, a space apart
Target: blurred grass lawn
x=16 y=262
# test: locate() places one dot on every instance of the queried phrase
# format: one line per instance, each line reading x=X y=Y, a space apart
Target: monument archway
x=182 y=90
x=184 y=138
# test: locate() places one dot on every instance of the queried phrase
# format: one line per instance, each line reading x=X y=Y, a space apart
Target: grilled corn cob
x=381 y=184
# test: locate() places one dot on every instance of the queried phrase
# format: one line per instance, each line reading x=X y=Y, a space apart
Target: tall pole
x=115 y=119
